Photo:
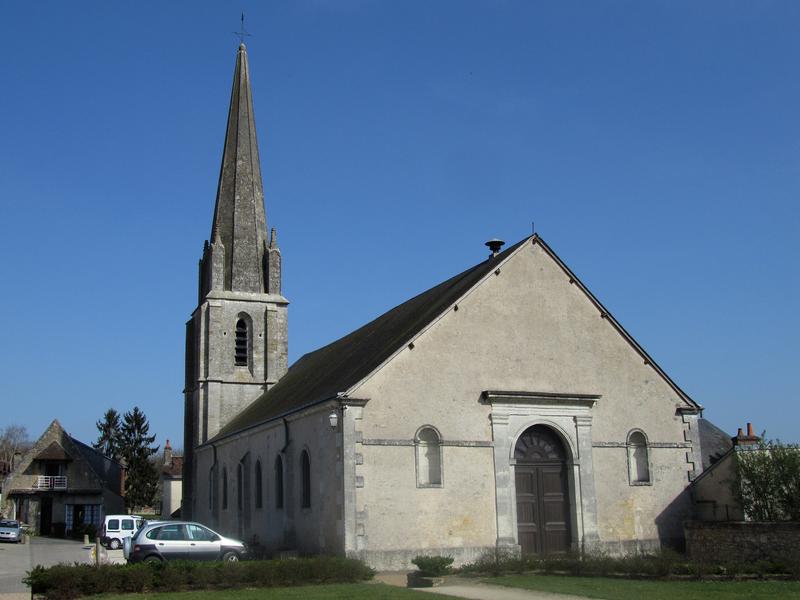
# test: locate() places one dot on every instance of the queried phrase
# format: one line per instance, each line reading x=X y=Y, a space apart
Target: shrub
x=65 y=582
x=497 y=561
x=659 y=564
x=768 y=481
x=433 y=566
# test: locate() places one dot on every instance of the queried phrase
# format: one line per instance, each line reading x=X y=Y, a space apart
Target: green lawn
x=630 y=589
x=348 y=591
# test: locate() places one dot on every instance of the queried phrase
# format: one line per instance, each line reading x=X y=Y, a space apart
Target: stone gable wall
x=78 y=472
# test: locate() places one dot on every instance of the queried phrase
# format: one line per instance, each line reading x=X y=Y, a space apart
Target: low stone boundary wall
x=741 y=541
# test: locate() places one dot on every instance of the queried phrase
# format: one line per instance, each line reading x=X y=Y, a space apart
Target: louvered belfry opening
x=241 y=343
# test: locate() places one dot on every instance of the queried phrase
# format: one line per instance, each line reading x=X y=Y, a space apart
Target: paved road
x=17 y=559
x=473 y=589
x=482 y=591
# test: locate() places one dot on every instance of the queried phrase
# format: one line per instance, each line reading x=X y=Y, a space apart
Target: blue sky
x=656 y=146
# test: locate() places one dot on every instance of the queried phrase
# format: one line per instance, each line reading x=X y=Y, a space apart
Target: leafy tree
x=768 y=482
x=13 y=439
x=109 y=442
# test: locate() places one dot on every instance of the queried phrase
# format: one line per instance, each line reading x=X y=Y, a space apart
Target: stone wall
x=741 y=541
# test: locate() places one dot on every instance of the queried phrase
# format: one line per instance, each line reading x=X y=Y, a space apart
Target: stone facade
x=742 y=542
x=241 y=312
x=526 y=327
x=713 y=494
x=408 y=436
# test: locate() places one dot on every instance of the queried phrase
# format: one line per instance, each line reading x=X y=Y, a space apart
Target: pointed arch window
x=305 y=469
x=239 y=486
x=638 y=459
x=242 y=350
x=259 y=487
x=428 y=444
x=278 y=482
x=224 y=488
x=211 y=488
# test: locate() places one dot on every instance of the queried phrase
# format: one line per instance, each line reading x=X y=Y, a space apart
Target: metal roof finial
x=242 y=33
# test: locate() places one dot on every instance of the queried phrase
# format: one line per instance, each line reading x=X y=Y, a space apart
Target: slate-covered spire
x=240 y=222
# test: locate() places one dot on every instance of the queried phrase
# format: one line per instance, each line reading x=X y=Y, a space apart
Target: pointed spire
x=240 y=222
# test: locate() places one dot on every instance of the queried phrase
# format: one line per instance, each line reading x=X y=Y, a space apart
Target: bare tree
x=13 y=439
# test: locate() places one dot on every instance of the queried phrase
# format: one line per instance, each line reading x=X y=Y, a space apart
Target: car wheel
x=114 y=544
x=152 y=560
x=230 y=557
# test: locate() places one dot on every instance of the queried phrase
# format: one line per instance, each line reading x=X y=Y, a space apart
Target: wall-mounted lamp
x=333 y=419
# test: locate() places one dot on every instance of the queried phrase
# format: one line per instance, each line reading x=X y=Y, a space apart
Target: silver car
x=157 y=541
x=10 y=531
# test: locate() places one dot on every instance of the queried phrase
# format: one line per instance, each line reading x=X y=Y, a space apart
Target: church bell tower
x=236 y=339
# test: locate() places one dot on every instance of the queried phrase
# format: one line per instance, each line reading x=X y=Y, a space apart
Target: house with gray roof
x=60 y=485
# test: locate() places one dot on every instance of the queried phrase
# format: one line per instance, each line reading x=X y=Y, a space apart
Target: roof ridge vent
x=494 y=245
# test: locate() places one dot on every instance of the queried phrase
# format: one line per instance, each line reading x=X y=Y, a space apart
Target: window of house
x=305 y=468
x=278 y=482
x=429 y=457
x=242 y=343
x=259 y=491
x=224 y=488
x=638 y=460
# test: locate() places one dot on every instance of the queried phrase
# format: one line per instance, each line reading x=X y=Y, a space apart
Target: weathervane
x=243 y=32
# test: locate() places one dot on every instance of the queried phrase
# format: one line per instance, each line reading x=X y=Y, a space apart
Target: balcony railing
x=48 y=482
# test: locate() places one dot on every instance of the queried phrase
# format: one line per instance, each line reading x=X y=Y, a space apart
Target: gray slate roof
x=714 y=442
x=321 y=375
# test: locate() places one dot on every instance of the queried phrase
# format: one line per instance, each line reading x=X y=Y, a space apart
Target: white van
x=116 y=528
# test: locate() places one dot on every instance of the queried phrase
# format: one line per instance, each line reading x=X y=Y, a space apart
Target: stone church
x=504 y=407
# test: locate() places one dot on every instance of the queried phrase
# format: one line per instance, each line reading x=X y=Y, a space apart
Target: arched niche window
x=239 y=486
x=224 y=488
x=242 y=349
x=429 y=457
x=278 y=482
x=259 y=486
x=638 y=460
x=305 y=471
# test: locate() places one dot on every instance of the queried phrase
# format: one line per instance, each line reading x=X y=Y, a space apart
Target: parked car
x=10 y=531
x=117 y=528
x=158 y=541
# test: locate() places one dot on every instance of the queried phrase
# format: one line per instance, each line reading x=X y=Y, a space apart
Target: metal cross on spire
x=242 y=33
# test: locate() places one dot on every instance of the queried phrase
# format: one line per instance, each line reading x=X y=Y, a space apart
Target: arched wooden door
x=543 y=504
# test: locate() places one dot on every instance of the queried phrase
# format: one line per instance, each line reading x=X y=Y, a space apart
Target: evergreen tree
x=141 y=478
x=109 y=440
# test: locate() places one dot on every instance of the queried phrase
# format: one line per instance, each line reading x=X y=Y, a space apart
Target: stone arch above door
x=540 y=443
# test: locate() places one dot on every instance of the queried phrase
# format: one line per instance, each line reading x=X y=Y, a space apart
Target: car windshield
x=139 y=526
x=13 y=524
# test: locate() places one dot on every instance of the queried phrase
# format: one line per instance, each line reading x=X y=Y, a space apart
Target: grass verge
x=347 y=591
x=631 y=589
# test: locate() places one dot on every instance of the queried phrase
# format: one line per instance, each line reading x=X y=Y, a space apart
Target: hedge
x=63 y=582
x=664 y=564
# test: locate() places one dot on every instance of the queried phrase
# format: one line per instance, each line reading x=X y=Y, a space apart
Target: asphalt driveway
x=17 y=559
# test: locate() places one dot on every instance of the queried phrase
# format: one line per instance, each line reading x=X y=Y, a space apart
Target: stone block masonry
x=742 y=541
